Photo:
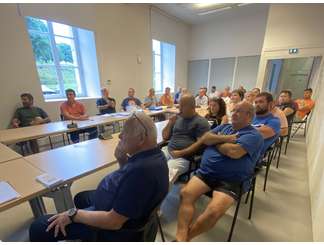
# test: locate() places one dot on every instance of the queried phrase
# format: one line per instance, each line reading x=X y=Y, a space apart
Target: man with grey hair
x=231 y=153
x=182 y=131
x=123 y=200
x=106 y=104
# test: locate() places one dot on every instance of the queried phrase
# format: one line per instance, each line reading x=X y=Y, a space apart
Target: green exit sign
x=293 y=50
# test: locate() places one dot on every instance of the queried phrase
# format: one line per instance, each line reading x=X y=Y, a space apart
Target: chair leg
x=234 y=218
x=305 y=129
x=278 y=159
x=287 y=142
x=50 y=141
x=22 y=149
x=160 y=228
x=247 y=197
x=252 y=197
x=267 y=172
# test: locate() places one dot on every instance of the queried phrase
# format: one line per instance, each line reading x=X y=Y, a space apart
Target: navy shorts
x=230 y=188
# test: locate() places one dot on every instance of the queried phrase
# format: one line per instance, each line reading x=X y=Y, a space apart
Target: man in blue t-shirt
x=131 y=97
x=123 y=200
x=267 y=124
x=229 y=159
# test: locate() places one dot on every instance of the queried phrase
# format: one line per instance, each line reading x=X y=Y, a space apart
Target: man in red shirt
x=75 y=110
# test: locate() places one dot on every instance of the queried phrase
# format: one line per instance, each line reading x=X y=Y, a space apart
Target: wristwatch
x=71 y=213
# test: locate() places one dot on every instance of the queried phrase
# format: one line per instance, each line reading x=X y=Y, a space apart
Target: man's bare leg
x=217 y=207
x=189 y=194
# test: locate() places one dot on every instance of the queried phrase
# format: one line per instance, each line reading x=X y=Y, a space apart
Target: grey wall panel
x=197 y=75
x=246 y=71
x=221 y=73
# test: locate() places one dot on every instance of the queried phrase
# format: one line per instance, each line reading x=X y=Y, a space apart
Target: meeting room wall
x=121 y=32
x=232 y=42
x=169 y=29
x=123 y=45
x=232 y=33
x=300 y=26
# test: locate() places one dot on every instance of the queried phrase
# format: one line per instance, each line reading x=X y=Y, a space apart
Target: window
x=163 y=66
x=57 y=55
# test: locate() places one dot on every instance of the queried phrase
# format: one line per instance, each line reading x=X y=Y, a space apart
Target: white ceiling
x=191 y=14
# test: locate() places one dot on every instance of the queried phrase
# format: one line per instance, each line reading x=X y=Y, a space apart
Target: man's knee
x=187 y=195
x=37 y=230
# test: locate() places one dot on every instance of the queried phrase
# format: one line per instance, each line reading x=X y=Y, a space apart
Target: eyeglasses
x=136 y=117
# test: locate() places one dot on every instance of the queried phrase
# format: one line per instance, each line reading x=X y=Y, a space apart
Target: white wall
x=301 y=26
x=122 y=32
x=237 y=32
x=168 y=29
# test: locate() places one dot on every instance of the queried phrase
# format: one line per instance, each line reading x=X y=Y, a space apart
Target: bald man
x=125 y=198
x=230 y=157
x=130 y=100
x=182 y=131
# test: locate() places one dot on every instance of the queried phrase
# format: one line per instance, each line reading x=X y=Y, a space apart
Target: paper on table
x=7 y=192
x=48 y=180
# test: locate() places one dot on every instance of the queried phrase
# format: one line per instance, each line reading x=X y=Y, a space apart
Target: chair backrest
x=145 y=233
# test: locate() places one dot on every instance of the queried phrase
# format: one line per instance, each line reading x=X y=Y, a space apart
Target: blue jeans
x=37 y=230
x=93 y=133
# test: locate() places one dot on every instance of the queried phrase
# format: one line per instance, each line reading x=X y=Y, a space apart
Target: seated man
x=283 y=120
x=75 y=111
x=131 y=94
x=124 y=199
x=267 y=124
x=106 y=104
x=182 y=131
x=305 y=105
x=166 y=99
x=201 y=99
x=287 y=105
x=29 y=115
x=151 y=100
x=230 y=157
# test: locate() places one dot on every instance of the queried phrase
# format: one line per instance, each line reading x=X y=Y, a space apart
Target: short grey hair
x=142 y=124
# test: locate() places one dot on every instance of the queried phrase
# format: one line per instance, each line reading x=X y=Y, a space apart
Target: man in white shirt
x=201 y=99
x=214 y=93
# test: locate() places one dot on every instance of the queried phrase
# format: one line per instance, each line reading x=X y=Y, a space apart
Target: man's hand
x=59 y=222
x=15 y=124
x=172 y=120
x=120 y=154
x=231 y=138
x=177 y=153
x=84 y=117
x=210 y=138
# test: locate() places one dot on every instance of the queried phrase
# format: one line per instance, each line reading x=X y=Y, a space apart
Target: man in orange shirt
x=305 y=105
x=166 y=99
x=75 y=111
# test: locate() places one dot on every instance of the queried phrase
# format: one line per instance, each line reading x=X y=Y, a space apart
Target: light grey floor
x=282 y=213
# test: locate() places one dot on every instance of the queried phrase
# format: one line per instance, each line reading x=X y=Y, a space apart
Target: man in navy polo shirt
x=266 y=123
x=131 y=96
x=230 y=157
x=124 y=199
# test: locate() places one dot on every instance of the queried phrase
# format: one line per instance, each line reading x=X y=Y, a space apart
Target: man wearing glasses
x=123 y=200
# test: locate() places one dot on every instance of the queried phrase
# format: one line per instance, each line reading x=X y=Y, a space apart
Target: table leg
x=38 y=207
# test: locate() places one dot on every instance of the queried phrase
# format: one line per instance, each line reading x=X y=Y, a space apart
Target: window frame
x=161 y=65
x=56 y=61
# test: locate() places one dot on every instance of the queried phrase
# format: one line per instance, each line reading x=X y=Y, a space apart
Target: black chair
x=147 y=232
x=300 y=123
x=194 y=163
x=267 y=163
x=278 y=147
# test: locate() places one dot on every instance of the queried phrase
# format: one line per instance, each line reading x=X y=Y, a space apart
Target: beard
x=261 y=111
